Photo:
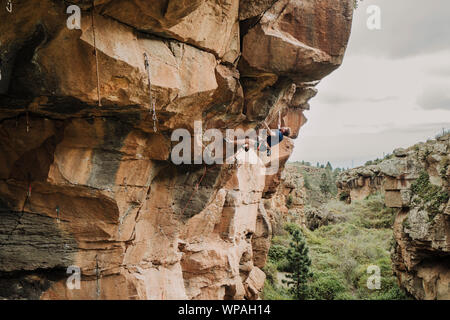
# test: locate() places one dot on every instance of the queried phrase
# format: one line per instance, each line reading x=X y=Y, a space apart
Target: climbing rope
x=152 y=103
x=279 y=120
x=96 y=56
x=195 y=190
x=9 y=6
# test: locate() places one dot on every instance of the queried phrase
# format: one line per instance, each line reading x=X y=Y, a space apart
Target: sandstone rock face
x=87 y=181
x=358 y=183
x=417 y=182
x=288 y=202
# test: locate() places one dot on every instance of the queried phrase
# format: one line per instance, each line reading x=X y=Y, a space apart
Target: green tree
x=329 y=167
x=325 y=184
x=306 y=182
x=299 y=263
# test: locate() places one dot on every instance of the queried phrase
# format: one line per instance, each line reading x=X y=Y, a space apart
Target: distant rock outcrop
x=417 y=182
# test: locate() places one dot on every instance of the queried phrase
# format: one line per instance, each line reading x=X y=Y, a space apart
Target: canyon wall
x=416 y=181
x=86 y=175
x=360 y=182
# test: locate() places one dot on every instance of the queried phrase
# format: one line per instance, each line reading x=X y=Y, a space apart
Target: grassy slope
x=342 y=252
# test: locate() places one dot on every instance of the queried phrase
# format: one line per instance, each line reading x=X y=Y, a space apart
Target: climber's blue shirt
x=276 y=139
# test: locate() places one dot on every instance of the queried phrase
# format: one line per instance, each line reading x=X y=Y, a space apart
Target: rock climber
x=274 y=137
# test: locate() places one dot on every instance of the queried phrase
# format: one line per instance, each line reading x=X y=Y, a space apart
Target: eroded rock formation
x=91 y=184
x=417 y=182
x=358 y=183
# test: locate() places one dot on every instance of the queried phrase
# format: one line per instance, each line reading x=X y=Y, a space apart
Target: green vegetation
x=325 y=184
x=371 y=162
x=299 y=263
x=427 y=196
x=445 y=162
x=289 y=201
x=340 y=254
x=319 y=181
x=443 y=133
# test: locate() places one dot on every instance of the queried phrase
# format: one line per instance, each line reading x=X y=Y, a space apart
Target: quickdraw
x=57 y=214
x=152 y=103
x=9 y=6
x=96 y=56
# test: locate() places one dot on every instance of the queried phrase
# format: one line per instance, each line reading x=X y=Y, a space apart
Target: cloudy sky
x=393 y=89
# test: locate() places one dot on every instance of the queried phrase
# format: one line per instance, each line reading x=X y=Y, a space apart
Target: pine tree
x=329 y=167
x=325 y=184
x=299 y=263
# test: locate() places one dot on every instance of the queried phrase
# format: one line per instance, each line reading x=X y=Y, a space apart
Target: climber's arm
x=270 y=132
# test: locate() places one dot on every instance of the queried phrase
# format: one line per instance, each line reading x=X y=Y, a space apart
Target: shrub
x=326 y=286
x=277 y=253
x=270 y=270
x=430 y=197
x=273 y=292
x=289 y=201
x=344 y=195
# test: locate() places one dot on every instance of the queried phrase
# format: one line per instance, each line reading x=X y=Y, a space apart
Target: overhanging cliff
x=87 y=181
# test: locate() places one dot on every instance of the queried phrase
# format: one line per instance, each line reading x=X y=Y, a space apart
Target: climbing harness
x=96 y=56
x=9 y=6
x=195 y=190
x=152 y=103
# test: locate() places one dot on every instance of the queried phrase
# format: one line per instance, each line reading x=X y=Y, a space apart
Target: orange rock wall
x=91 y=184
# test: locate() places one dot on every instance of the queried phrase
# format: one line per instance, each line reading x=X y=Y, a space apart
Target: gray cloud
x=355 y=149
x=418 y=128
x=339 y=98
x=382 y=99
x=435 y=98
x=409 y=28
x=441 y=71
x=336 y=98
